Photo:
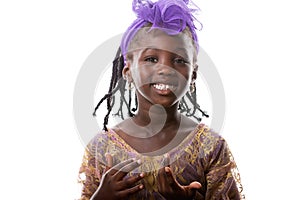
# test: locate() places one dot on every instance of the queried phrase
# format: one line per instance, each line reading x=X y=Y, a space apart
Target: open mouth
x=164 y=87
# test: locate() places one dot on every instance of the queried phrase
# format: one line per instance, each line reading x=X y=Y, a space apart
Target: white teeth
x=161 y=86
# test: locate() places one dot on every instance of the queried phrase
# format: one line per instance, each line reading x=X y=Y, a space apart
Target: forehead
x=159 y=39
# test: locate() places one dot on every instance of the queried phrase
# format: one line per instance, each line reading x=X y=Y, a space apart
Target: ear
x=126 y=73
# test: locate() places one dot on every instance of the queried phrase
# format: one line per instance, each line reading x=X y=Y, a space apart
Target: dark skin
x=164 y=60
x=113 y=184
x=169 y=132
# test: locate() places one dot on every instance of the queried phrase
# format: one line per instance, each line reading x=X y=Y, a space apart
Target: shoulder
x=101 y=138
x=207 y=135
x=208 y=140
x=214 y=148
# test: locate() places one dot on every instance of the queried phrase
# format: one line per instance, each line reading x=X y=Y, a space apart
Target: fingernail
x=139 y=161
x=167 y=169
x=142 y=175
x=141 y=186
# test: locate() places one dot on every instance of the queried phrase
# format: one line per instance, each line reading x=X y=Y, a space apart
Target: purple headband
x=171 y=16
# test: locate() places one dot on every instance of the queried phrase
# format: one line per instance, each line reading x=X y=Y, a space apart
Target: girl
x=159 y=152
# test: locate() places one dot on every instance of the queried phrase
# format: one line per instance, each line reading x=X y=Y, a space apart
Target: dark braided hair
x=191 y=108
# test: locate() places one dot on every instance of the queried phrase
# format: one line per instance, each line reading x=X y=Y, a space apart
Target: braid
x=184 y=107
x=122 y=100
x=196 y=105
x=129 y=104
x=136 y=104
x=116 y=83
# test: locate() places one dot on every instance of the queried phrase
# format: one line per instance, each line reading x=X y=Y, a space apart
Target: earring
x=130 y=87
x=192 y=87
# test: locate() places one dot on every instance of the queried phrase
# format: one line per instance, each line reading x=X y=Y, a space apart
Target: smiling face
x=161 y=67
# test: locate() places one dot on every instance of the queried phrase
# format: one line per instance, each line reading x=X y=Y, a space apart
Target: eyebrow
x=150 y=48
x=178 y=51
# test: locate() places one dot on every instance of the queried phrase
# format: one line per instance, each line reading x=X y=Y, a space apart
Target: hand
x=113 y=184
x=171 y=189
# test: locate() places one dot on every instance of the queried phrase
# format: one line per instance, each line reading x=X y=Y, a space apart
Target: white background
x=254 y=44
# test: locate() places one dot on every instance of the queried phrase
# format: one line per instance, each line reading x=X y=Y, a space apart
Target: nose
x=166 y=70
x=165 y=67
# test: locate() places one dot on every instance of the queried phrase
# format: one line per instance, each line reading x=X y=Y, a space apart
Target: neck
x=156 y=115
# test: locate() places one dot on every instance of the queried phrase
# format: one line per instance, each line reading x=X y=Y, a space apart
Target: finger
x=117 y=167
x=127 y=168
x=195 y=185
x=162 y=179
x=125 y=193
x=191 y=188
x=161 y=176
x=129 y=182
x=170 y=177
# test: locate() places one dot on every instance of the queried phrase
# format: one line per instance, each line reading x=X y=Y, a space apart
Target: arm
x=89 y=173
x=221 y=174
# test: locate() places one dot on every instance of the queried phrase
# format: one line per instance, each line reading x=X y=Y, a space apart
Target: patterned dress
x=202 y=156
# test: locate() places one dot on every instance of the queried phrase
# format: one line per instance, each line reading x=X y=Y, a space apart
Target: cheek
x=141 y=76
x=185 y=74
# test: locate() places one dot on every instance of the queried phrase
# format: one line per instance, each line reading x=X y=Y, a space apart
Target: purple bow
x=171 y=16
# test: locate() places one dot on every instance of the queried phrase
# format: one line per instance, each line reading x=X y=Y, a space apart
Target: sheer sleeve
x=223 y=181
x=90 y=172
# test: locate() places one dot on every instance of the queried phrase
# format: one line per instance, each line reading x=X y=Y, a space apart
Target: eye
x=180 y=61
x=151 y=59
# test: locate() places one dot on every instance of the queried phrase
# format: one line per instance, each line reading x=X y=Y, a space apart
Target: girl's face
x=161 y=67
